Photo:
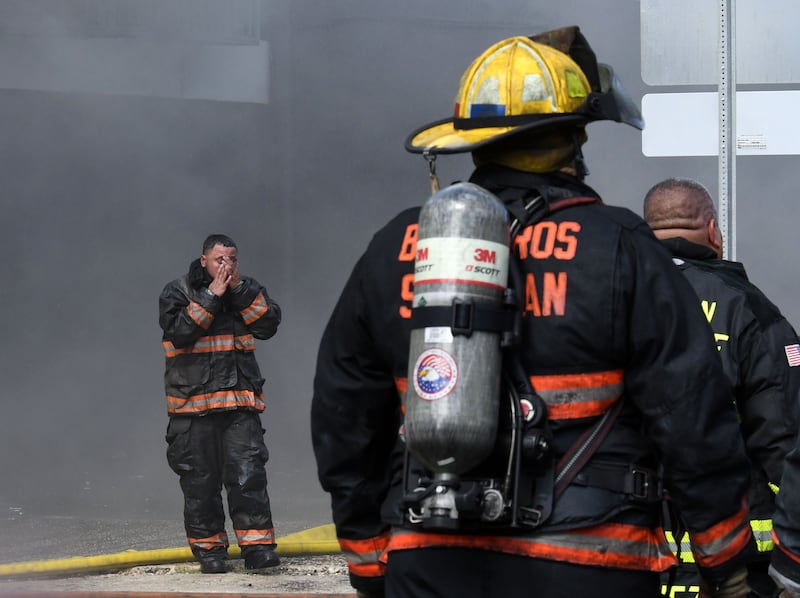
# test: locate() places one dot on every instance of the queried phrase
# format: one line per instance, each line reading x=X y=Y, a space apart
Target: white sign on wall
x=687 y=124
x=680 y=40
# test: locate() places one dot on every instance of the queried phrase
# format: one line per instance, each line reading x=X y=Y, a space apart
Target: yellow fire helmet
x=524 y=90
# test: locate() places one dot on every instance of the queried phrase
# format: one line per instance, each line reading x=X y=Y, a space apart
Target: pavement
x=43 y=540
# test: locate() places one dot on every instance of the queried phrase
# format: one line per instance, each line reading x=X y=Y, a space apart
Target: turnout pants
x=209 y=452
x=462 y=572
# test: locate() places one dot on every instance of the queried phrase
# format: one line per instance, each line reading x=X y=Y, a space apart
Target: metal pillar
x=727 y=127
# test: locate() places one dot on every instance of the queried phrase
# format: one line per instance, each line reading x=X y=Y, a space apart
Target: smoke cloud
x=108 y=191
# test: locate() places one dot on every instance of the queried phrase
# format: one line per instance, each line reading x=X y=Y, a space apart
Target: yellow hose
x=317 y=540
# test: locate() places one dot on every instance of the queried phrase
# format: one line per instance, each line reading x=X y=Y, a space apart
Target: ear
x=714 y=237
x=203 y=260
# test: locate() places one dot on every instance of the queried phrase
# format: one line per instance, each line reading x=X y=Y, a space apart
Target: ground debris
x=307 y=574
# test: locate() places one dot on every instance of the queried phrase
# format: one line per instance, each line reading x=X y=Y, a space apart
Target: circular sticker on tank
x=435 y=374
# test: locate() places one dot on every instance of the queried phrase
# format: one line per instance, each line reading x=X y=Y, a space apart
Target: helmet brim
x=442 y=137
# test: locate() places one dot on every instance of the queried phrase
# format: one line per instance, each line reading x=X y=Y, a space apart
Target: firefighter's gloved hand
x=734 y=586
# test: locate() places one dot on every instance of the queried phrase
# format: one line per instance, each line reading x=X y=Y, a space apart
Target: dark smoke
x=107 y=196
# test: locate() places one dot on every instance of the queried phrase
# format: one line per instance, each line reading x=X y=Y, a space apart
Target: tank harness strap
x=640 y=483
x=578 y=455
x=529 y=209
x=464 y=317
x=568 y=202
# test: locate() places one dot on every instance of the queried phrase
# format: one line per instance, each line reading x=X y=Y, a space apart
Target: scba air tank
x=452 y=401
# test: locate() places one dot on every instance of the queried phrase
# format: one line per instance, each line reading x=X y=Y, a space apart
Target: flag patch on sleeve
x=792 y=354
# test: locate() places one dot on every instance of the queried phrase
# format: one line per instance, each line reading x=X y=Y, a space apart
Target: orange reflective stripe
x=721 y=529
x=223 y=399
x=607 y=545
x=212 y=344
x=363 y=556
x=401 y=384
x=220 y=539
x=569 y=381
x=257 y=308
x=204 y=344
x=579 y=410
x=199 y=315
x=572 y=396
x=722 y=541
x=368 y=570
x=249 y=537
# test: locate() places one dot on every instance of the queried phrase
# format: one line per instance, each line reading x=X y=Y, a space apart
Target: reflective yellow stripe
x=679 y=590
x=762 y=532
x=685 y=555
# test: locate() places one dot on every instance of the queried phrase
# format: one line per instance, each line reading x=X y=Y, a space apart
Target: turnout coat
x=209 y=343
x=607 y=317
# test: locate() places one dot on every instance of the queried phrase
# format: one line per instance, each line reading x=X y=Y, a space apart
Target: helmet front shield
x=611 y=102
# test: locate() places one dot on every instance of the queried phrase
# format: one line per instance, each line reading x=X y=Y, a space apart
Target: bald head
x=683 y=208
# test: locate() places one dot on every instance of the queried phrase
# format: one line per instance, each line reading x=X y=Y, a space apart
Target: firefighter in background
x=606 y=323
x=211 y=318
x=754 y=341
x=785 y=564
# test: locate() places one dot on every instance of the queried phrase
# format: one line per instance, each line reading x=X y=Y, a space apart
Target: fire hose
x=314 y=541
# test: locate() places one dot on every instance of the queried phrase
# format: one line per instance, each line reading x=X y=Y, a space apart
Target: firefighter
x=605 y=329
x=210 y=319
x=753 y=340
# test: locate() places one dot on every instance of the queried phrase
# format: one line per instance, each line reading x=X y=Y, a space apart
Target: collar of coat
x=702 y=255
x=197 y=275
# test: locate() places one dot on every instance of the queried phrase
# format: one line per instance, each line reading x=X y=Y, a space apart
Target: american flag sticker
x=792 y=354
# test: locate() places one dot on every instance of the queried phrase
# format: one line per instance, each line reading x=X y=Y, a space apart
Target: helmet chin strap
x=580 y=163
x=431 y=160
x=581 y=169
